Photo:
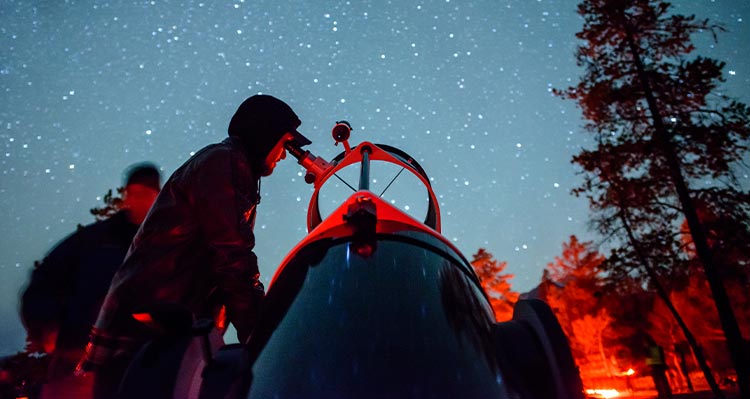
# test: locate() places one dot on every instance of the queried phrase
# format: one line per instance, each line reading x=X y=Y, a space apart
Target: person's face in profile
x=137 y=200
x=277 y=153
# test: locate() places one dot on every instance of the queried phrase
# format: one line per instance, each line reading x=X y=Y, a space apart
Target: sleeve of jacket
x=43 y=300
x=225 y=206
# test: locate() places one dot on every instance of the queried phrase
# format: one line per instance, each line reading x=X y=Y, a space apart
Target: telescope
x=374 y=302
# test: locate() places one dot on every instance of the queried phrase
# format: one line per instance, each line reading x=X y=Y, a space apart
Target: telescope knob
x=341 y=131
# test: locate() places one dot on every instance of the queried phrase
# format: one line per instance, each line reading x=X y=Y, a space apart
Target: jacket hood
x=260 y=121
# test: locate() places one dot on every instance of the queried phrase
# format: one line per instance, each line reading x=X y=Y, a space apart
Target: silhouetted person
x=658 y=366
x=195 y=246
x=67 y=288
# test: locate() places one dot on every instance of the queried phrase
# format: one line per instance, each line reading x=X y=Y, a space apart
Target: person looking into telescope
x=195 y=247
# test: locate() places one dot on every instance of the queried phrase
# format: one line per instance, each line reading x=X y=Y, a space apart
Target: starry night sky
x=90 y=87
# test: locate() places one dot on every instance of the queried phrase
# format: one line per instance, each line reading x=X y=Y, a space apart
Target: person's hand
x=84 y=369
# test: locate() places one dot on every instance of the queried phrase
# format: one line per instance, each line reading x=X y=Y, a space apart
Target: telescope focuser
x=315 y=166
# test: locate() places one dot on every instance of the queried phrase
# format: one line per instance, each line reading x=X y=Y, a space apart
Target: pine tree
x=495 y=284
x=578 y=262
x=661 y=129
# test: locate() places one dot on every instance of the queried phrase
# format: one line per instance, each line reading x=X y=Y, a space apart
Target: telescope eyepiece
x=294 y=149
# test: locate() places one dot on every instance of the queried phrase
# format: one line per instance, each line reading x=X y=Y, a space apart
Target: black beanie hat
x=144 y=173
x=260 y=121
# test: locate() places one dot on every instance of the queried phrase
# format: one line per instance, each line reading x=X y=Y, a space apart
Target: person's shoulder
x=216 y=155
x=101 y=226
x=69 y=242
x=207 y=161
x=211 y=153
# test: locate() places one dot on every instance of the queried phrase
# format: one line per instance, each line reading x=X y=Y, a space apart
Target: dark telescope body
x=406 y=321
x=371 y=304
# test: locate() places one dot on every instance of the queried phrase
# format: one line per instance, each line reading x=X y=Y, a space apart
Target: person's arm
x=225 y=204
x=43 y=300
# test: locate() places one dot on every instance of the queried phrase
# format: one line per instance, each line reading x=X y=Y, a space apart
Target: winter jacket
x=194 y=248
x=68 y=287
